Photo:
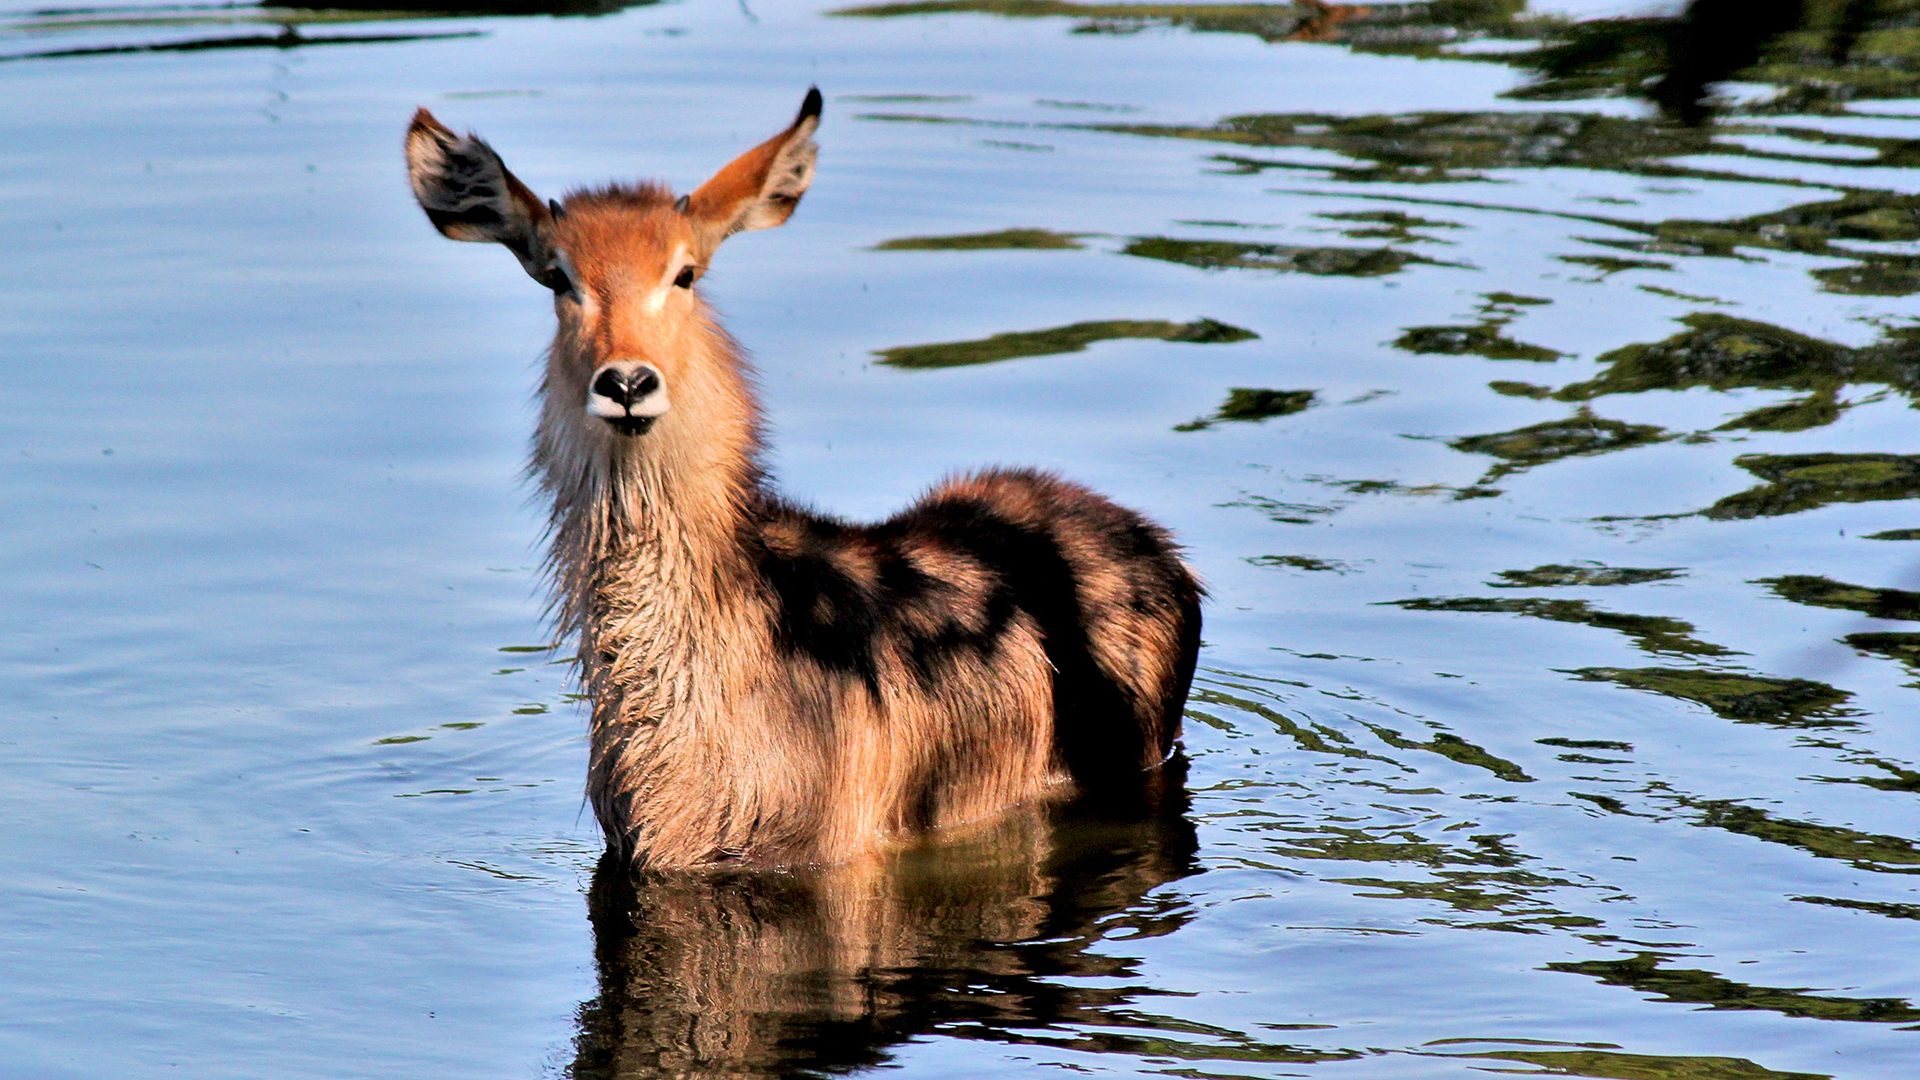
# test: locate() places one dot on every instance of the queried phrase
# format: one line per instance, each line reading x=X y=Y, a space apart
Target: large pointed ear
x=760 y=188
x=468 y=194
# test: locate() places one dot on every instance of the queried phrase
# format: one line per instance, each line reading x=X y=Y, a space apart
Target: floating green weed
x=1618 y=1065
x=1481 y=339
x=1643 y=972
x=1828 y=593
x=1608 y=265
x=1867 y=851
x=1656 y=634
x=1559 y=576
x=1005 y=239
x=1726 y=353
x=1739 y=696
x=1303 y=562
x=1285 y=513
x=1268 y=22
x=1587 y=744
x=1443 y=146
x=1798 y=482
x=1904 y=647
x=1252 y=404
x=1240 y=255
x=1455 y=748
x=1580 y=435
x=1891 y=911
x=1057 y=340
x=1394 y=226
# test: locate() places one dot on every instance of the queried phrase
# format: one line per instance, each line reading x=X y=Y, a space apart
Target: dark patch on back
x=822 y=611
x=1096 y=729
x=846 y=624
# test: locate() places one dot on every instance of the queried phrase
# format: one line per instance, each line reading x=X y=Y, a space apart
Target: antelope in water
x=771 y=685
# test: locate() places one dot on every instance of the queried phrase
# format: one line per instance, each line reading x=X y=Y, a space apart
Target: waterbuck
x=772 y=685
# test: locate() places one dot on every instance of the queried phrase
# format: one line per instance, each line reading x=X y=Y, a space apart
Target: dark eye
x=685 y=279
x=556 y=279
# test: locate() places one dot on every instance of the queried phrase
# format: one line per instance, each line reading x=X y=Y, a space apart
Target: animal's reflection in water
x=716 y=973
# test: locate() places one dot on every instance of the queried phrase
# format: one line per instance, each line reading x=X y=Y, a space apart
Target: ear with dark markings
x=760 y=188
x=468 y=194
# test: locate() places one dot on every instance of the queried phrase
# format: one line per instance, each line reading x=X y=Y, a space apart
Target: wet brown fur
x=773 y=685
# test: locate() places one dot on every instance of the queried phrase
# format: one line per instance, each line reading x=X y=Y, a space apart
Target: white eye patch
x=657 y=296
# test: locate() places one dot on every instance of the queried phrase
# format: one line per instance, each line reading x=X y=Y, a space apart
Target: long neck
x=653 y=576
x=647 y=528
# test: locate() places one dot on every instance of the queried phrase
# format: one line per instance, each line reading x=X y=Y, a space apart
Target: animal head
x=635 y=341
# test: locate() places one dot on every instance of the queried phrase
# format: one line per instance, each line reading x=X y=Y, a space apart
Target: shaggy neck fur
x=654 y=572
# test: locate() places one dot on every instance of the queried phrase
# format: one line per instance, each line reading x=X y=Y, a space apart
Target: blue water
x=290 y=785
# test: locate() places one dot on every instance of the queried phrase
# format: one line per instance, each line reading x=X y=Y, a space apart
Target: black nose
x=625 y=388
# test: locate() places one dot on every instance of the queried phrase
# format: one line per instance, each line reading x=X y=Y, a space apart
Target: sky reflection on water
x=1550 y=464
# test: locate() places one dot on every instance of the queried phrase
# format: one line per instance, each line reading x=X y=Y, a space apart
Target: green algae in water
x=1059 y=339
x=1643 y=972
x=1894 y=534
x=289 y=38
x=1559 y=576
x=1816 y=591
x=1239 y=255
x=1397 y=29
x=1817 y=410
x=1303 y=562
x=1427 y=147
x=1650 y=633
x=1799 y=482
x=1455 y=748
x=1476 y=893
x=1675 y=294
x=1894 y=778
x=1581 y=435
x=1738 y=696
x=1247 y=404
x=1865 y=851
x=1619 y=1065
x=1394 y=226
x=1441 y=147
x=1722 y=352
x=1894 y=645
x=1587 y=744
x=1891 y=911
x=1481 y=339
x=1609 y=265
x=1224 y=1045
x=1268 y=22
x=1285 y=513
x=1004 y=240
x=1824 y=59
x=1513 y=301
x=1510 y=388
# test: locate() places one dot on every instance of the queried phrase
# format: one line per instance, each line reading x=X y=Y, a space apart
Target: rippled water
x=1551 y=466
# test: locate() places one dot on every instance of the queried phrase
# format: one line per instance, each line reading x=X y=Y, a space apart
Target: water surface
x=1551 y=466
